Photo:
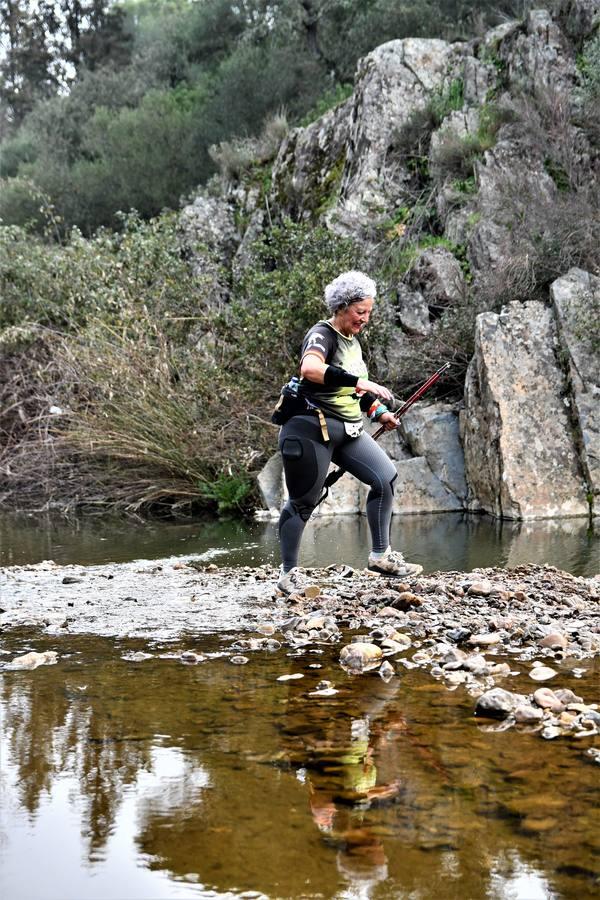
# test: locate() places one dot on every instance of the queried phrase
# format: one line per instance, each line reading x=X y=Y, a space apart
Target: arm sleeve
x=367 y=400
x=322 y=340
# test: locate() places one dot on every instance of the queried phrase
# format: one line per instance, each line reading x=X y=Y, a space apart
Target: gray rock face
x=576 y=298
x=520 y=456
x=209 y=231
x=580 y=17
x=308 y=170
x=391 y=82
x=419 y=490
x=413 y=311
x=538 y=56
x=438 y=277
x=432 y=431
x=271 y=484
x=505 y=174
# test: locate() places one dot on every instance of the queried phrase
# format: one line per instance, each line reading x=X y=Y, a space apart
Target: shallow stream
x=129 y=774
x=155 y=779
x=442 y=542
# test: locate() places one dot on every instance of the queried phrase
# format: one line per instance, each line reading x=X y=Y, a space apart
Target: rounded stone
x=547 y=699
x=542 y=673
x=554 y=641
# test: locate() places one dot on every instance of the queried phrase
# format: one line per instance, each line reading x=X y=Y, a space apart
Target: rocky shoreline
x=470 y=630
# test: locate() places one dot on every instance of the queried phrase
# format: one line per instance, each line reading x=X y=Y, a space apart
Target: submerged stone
x=360 y=657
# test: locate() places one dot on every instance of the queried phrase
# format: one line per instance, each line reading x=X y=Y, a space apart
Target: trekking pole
x=337 y=473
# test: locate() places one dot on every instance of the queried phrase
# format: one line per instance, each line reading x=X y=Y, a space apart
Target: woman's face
x=352 y=319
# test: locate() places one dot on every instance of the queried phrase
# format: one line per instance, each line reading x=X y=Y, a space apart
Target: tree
x=28 y=70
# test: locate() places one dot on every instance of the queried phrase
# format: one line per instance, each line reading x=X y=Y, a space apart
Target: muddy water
x=439 y=542
x=155 y=779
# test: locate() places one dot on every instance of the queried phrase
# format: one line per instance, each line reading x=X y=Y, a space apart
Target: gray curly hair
x=347 y=288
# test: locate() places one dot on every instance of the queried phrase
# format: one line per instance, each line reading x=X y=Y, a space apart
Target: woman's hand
x=388 y=420
x=373 y=388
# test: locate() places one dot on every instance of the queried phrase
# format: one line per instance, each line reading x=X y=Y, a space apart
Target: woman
x=335 y=391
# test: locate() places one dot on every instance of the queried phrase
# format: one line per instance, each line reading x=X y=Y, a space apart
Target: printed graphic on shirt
x=338 y=350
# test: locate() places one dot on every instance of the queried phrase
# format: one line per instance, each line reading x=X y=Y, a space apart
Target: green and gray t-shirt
x=338 y=350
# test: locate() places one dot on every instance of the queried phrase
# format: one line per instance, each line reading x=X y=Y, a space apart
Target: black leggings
x=306 y=459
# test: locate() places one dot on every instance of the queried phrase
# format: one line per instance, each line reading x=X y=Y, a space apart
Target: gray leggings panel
x=306 y=460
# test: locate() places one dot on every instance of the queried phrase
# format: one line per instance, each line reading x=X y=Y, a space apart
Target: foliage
x=240 y=155
x=547 y=234
x=161 y=404
x=589 y=92
x=116 y=106
x=279 y=297
x=63 y=287
x=456 y=154
x=230 y=492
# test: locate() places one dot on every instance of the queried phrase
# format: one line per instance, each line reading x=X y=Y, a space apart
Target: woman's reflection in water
x=350 y=764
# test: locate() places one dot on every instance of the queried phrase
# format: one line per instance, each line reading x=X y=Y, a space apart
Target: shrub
x=238 y=156
x=63 y=286
x=589 y=93
x=546 y=236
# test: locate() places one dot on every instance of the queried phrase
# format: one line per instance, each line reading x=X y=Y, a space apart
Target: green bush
x=64 y=286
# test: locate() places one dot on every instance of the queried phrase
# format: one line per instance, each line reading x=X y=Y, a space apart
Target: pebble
x=550 y=732
x=324 y=689
x=542 y=673
x=554 y=641
x=238 y=660
x=480 y=589
x=71 y=579
x=190 y=657
x=497 y=703
x=312 y=591
x=32 y=660
x=566 y=696
x=386 y=671
x=390 y=612
x=547 y=699
x=406 y=600
x=360 y=657
x=484 y=640
x=528 y=713
x=390 y=647
x=294 y=677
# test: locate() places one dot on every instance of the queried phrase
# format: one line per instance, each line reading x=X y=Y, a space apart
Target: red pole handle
x=416 y=396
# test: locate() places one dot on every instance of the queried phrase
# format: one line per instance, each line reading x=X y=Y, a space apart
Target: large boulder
x=209 y=232
x=412 y=311
x=419 y=490
x=576 y=298
x=536 y=55
x=432 y=431
x=520 y=453
x=506 y=180
x=438 y=277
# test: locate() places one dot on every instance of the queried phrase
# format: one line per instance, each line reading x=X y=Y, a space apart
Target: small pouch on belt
x=353 y=429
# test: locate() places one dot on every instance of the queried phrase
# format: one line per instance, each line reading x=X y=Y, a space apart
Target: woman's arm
x=314 y=368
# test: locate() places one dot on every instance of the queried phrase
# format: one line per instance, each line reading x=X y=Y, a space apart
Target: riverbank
x=475 y=630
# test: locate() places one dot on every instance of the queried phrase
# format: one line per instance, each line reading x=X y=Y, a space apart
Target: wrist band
x=378 y=412
x=337 y=377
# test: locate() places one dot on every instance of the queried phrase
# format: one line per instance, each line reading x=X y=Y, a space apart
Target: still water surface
x=153 y=780
x=451 y=541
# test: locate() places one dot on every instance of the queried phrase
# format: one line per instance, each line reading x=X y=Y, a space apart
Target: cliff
x=467 y=173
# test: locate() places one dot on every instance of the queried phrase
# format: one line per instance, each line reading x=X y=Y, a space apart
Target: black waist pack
x=290 y=402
